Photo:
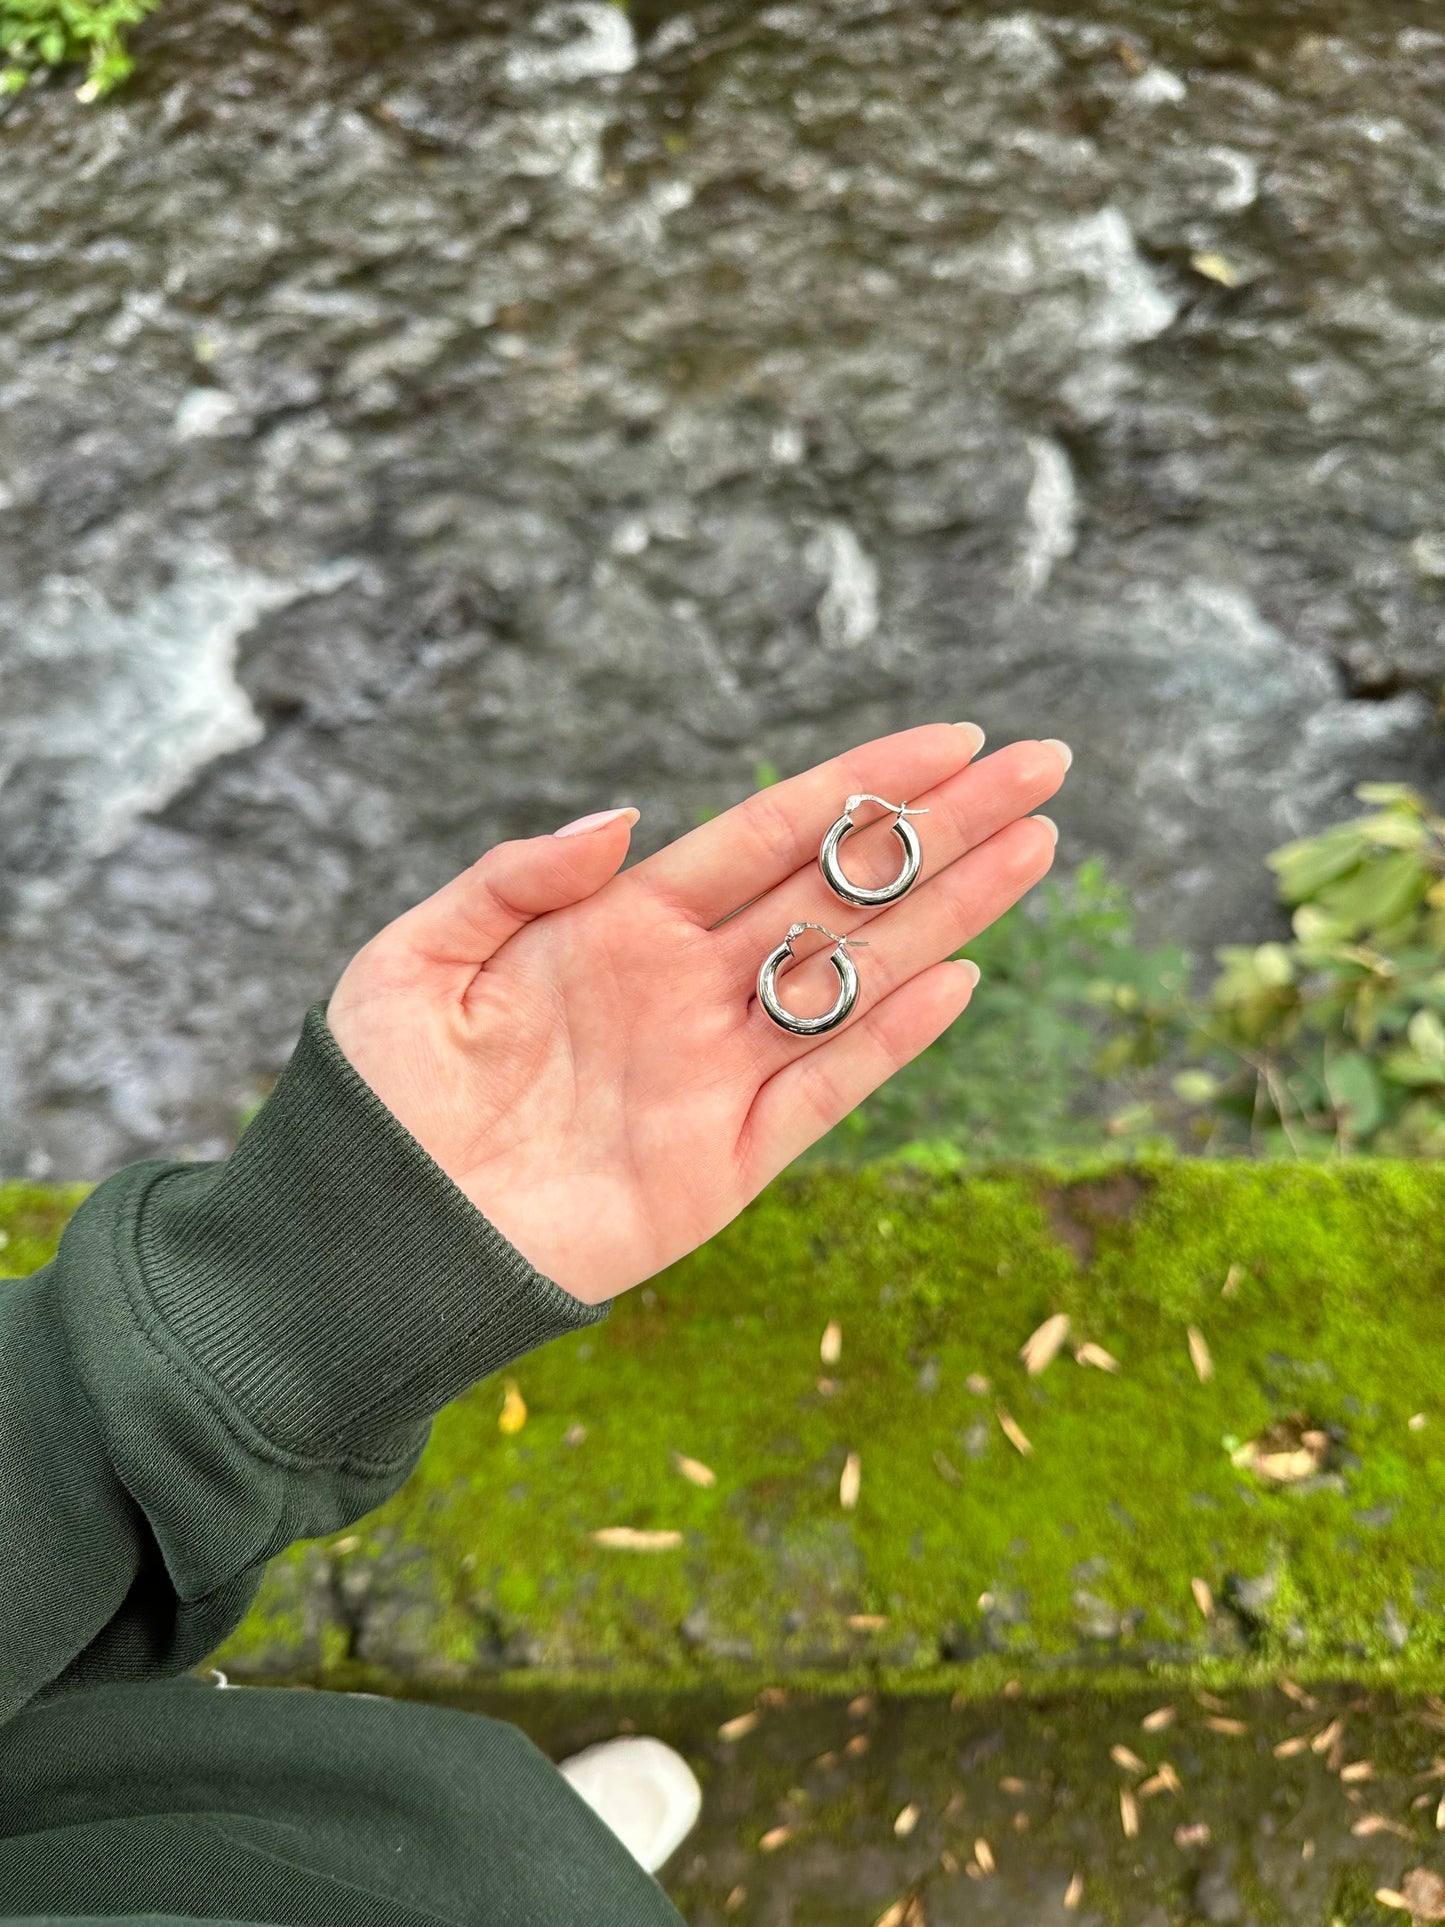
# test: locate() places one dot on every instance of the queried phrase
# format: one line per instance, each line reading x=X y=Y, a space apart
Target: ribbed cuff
x=329 y=1280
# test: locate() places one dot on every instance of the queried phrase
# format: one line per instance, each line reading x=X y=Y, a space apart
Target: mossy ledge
x=966 y=1563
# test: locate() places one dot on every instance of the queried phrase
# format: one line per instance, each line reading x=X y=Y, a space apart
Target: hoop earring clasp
x=843 y=965
x=856 y=893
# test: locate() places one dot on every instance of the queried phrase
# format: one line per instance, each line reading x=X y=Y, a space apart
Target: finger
x=470 y=918
x=963 y=812
x=754 y=845
x=808 y=1097
x=916 y=933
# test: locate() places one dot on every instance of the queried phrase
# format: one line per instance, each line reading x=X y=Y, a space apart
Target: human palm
x=580 y=1047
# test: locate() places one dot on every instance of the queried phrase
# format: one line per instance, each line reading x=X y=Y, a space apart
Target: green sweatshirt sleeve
x=224 y=1358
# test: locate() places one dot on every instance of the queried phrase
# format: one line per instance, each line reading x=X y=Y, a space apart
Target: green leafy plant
x=1335 y=1041
x=36 y=35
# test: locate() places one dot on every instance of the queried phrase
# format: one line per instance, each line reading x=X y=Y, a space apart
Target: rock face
x=422 y=424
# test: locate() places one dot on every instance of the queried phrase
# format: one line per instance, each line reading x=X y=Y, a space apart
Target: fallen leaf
x=1091 y=1354
x=1127 y=1758
x=1042 y=1347
x=1212 y=1703
x=867 y=1622
x=1424 y=1894
x=1387 y=1897
x=1290 y=1450
x=1293 y=1691
x=630 y=1539
x=1128 y=1813
x=1287 y=1749
x=1356 y=1771
x=906 y=1820
x=947 y=1861
x=773 y=1696
x=1216 y=267
x=1370 y=1824
x=1231 y=1281
x=1013 y=1431
x=826 y=1761
x=694 y=1471
x=1221 y=1723
x=513 y=1415
x=830 y=1346
x=1326 y=1737
x=1192 y=1833
x=1074 y=1892
x=740 y=1725
x=1166 y=1780
x=775 y=1837
x=983 y=1854
x=851 y=1482
x=574 y=1434
x=957 y=1801
x=947 y=1471
x=861 y=1707
x=977 y=1384
x=735 y=1900
x=1199 y=1355
x=1417 y=1421
x=1012 y=1785
x=856 y=1746
x=1440 y=1815
x=1161 y=1717
x=1203 y=1596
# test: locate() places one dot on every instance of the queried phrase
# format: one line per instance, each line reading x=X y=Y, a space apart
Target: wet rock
x=450 y=433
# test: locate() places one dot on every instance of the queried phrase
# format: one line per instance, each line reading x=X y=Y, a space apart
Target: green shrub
x=39 y=34
x=1332 y=1042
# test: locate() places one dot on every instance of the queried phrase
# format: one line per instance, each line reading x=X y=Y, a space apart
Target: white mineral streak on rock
x=203 y=412
x=564 y=142
x=848 y=608
x=1157 y=87
x=1240 y=186
x=1126 y=303
x=574 y=40
x=1050 y=515
x=143 y=697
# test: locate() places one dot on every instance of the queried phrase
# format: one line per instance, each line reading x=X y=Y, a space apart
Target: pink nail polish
x=596 y=820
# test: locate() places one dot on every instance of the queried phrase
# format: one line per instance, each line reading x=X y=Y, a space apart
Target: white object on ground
x=646 y=1793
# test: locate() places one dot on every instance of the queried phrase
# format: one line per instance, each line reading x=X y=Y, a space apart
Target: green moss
x=1073 y=1564
x=32 y=1217
x=1086 y=1548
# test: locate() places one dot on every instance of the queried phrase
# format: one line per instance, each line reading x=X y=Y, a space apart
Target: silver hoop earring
x=855 y=893
x=842 y=963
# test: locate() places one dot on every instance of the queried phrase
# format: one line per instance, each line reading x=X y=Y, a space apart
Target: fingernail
x=1064 y=751
x=967 y=963
x=1049 y=824
x=596 y=820
x=975 y=736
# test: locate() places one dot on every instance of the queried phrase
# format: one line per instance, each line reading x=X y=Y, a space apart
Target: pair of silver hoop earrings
x=855 y=893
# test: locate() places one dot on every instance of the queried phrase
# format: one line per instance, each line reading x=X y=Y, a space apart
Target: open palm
x=580 y=1047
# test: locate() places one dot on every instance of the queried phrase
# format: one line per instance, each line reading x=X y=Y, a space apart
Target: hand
x=582 y=1051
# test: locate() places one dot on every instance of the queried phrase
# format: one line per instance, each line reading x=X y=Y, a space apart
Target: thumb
x=469 y=919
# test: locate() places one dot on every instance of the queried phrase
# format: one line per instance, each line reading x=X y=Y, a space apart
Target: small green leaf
x=1195 y=1087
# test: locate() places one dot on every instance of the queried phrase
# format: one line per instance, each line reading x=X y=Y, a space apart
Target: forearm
x=225 y=1358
